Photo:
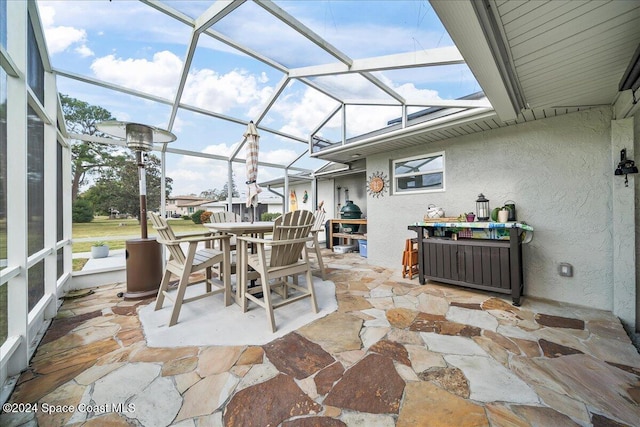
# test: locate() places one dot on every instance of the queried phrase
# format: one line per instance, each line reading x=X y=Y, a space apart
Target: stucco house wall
x=559 y=173
x=299 y=190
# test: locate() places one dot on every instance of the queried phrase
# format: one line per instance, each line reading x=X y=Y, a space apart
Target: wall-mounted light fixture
x=625 y=166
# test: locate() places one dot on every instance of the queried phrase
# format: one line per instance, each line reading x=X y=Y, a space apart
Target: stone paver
x=452 y=345
x=427 y=404
x=372 y=386
x=489 y=381
x=269 y=403
x=394 y=354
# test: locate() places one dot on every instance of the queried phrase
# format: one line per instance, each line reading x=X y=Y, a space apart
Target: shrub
x=269 y=216
x=204 y=218
x=82 y=211
x=186 y=217
x=196 y=216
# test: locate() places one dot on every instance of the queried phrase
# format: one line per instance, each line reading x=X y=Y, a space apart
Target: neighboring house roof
x=179 y=198
x=186 y=201
x=192 y=204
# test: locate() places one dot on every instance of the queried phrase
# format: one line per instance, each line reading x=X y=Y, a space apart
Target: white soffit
x=462 y=24
x=558 y=54
x=569 y=53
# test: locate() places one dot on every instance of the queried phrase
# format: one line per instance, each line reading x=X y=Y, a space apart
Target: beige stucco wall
x=559 y=173
x=300 y=189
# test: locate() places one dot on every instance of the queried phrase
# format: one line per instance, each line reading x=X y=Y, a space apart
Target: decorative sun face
x=377 y=184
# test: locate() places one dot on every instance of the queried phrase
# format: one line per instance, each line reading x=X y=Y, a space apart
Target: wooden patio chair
x=410 y=258
x=288 y=256
x=314 y=245
x=184 y=265
x=226 y=216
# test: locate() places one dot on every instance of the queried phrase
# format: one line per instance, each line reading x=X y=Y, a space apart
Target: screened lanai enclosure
x=201 y=70
x=330 y=86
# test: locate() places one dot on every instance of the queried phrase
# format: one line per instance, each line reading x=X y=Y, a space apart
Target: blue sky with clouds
x=130 y=44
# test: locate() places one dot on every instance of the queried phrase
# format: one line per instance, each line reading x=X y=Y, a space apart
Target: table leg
x=241 y=274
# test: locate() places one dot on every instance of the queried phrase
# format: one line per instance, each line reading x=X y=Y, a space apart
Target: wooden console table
x=489 y=257
x=349 y=236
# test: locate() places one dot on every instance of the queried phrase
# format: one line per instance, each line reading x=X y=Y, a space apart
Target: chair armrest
x=275 y=242
x=203 y=233
x=194 y=239
x=253 y=239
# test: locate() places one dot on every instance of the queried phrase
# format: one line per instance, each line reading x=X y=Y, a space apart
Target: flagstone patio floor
x=394 y=353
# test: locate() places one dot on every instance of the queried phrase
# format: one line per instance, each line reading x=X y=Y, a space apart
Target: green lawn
x=108 y=230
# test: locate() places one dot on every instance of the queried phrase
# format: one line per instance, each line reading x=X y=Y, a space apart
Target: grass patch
x=78 y=263
x=86 y=246
x=105 y=229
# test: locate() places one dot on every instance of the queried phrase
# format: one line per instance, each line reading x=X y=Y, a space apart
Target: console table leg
x=516 y=266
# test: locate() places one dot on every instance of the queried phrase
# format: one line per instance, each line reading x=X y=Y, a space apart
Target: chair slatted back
x=166 y=235
x=292 y=225
x=318 y=222
x=224 y=216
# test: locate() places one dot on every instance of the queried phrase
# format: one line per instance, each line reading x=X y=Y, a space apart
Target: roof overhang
x=432 y=130
x=473 y=28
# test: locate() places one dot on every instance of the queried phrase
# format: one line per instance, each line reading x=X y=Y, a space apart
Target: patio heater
x=144 y=255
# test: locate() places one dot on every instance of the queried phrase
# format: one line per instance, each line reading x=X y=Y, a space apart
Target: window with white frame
x=419 y=174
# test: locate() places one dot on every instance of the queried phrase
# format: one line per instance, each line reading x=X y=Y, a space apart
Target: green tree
x=118 y=186
x=225 y=190
x=87 y=158
x=211 y=194
x=82 y=211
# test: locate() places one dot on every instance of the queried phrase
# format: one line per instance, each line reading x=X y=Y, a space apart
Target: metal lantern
x=482 y=208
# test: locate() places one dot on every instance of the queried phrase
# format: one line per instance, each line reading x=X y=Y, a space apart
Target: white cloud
x=304 y=114
x=178 y=125
x=84 y=51
x=409 y=90
x=204 y=88
x=224 y=150
x=196 y=174
x=59 y=38
x=126 y=19
x=220 y=92
x=280 y=157
x=47 y=14
x=184 y=175
x=220 y=149
x=158 y=76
